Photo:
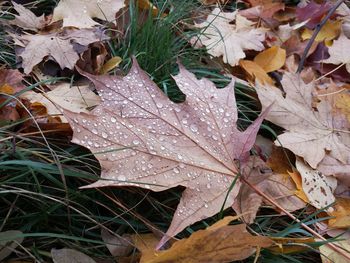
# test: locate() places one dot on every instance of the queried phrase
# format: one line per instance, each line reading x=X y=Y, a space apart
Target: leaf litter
x=143 y=139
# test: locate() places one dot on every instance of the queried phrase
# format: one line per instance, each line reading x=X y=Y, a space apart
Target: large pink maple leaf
x=141 y=138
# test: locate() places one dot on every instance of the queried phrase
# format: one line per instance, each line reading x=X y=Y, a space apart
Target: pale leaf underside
x=143 y=139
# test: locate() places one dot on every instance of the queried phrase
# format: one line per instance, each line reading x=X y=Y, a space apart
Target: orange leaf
x=271 y=59
x=341 y=213
x=219 y=243
x=255 y=72
x=328 y=32
x=297 y=180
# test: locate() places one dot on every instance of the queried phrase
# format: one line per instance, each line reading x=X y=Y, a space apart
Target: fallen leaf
x=311 y=133
x=9 y=240
x=271 y=59
x=342 y=103
x=195 y=144
x=339 y=53
x=67 y=255
x=328 y=255
x=299 y=192
x=79 y=13
x=63 y=47
x=27 y=19
x=76 y=99
x=118 y=246
x=286 y=245
x=341 y=213
x=317 y=187
x=12 y=78
x=278 y=186
x=222 y=38
x=312 y=13
x=262 y=9
x=255 y=72
x=218 y=243
x=110 y=65
x=328 y=32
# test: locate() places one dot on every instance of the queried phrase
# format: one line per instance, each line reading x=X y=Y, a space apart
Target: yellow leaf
x=255 y=72
x=328 y=32
x=285 y=245
x=271 y=59
x=342 y=102
x=218 y=243
x=328 y=255
x=110 y=64
x=7 y=89
x=299 y=192
x=341 y=213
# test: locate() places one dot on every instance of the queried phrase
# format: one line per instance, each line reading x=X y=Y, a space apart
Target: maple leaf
x=75 y=98
x=222 y=38
x=312 y=133
x=79 y=13
x=339 y=52
x=63 y=47
x=159 y=144
x=27 y=19
x=218 y=243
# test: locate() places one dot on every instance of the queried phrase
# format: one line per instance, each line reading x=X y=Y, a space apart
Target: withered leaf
x=63 y=47
x=312 y=133
x=27 y=19
x=148 y=141
x=218 y=243
x=79 y=13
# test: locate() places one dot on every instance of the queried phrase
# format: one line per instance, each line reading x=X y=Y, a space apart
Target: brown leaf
x=341 y=213
x=67 y=255
x=276 y=185
x=218 y=243
x=255 y=72
x=286 y=245
x=79 y=13
x=12 y=78
x=27 y=19
x=312 y=133
x=75 y=99
x=195 y=144
x=63 y=47
x=227 y=39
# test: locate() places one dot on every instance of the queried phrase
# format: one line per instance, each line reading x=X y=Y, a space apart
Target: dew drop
x=179 y=156
x=104 y=135
x=113 y=119
x=136 y=142
x=215 y=138
x=94 y=131
x=206 y=205
x=184 y=121
x=121 y=178
x=193 y=128
x=208 y=186
x=159 y=105
x=176 y=170
x=221 y=110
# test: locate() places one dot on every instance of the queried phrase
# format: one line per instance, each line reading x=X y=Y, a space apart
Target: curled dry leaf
x=218 y=243
x=27 y=19
x=312 y=133
x=79 y=13
x=222 y=38
x=76 y=99
x=63 y=47
x=341 y=213
x=67 y=255
x=151 y=142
